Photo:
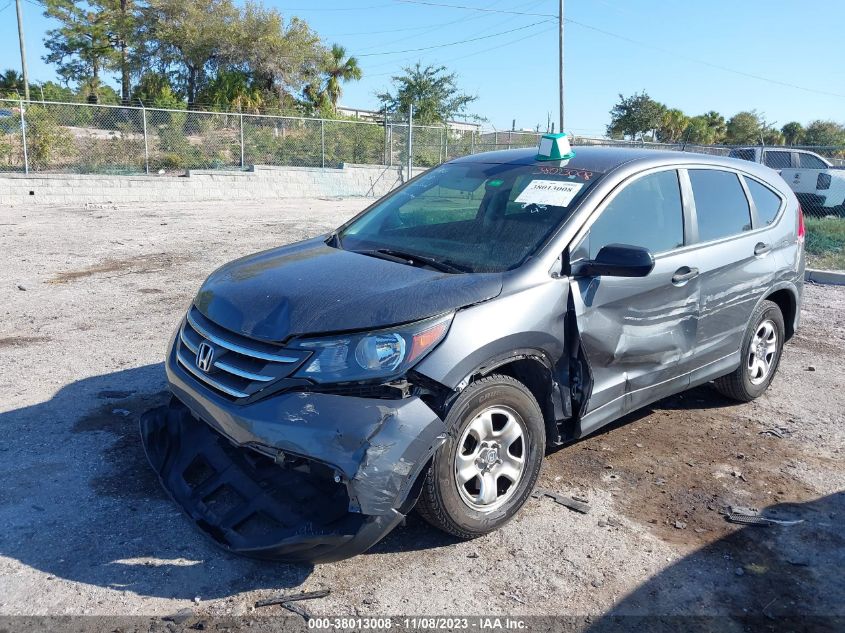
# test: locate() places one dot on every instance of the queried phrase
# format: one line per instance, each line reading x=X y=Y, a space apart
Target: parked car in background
x=429 y=351
x=819 y=186
x=10 y=121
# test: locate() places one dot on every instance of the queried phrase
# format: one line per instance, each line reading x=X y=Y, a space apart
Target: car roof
x=600 y=158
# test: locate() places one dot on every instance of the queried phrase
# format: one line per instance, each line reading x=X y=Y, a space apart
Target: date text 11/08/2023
x=478 y=623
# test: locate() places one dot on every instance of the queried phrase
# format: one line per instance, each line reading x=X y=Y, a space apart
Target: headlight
x=370 y=355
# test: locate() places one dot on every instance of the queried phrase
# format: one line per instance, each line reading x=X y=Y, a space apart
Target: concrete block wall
x=258 y=183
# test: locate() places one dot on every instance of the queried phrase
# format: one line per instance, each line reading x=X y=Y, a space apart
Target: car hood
x=311 y=288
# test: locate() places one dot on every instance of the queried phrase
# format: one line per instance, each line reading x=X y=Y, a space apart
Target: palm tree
x=11 y=81
x=672 y=126
x=716 y=122
x=316 y=97
x=792 y=132
x=338 y=70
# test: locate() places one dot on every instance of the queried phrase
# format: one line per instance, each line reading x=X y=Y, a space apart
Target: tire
x=749 y=380
x=466 y=507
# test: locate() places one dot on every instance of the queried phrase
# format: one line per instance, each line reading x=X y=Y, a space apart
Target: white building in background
x=378 y=117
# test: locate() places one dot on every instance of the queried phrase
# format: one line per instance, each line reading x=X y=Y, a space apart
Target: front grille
x=237 y=367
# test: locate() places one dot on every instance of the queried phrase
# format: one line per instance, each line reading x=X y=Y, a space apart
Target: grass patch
x=825 y=243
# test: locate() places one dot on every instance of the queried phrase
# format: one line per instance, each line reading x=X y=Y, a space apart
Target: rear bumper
x=303 y=477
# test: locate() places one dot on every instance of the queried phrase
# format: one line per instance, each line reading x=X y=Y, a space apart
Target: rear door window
x=777 y=160
x=720 y=204
x=808 y=161
x=766 y=201
x=647 y=213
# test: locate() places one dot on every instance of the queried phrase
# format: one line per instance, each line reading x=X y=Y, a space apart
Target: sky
x=780 y=57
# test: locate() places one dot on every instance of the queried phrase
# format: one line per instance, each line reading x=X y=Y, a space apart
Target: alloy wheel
x=762 y=352
x=490 y=458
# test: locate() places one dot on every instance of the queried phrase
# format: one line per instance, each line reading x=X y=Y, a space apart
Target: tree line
x=640 y=117
x=214 y=55
x=192 y=53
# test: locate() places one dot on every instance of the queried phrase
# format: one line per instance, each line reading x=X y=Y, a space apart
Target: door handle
x=761 y=248
x=683 y=275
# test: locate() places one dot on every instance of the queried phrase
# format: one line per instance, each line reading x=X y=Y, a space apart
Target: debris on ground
x=746 y=516
x=308 y=595
x=289 y=602
x=778 y=432
x=569 y=502
x=180 y=617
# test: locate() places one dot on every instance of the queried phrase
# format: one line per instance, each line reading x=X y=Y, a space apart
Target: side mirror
x=617 y=260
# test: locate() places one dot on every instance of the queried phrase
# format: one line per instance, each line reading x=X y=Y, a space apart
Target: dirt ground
x=89 y=299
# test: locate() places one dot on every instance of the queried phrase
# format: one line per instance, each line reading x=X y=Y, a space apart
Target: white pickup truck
x=819 y=186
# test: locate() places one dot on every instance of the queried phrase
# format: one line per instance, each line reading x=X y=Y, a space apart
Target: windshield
x=470 y=217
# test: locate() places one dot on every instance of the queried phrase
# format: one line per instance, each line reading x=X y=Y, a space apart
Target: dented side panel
x=639 y=335
x=733 y=281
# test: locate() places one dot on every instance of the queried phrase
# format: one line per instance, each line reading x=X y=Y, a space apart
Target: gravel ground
x=89 y=299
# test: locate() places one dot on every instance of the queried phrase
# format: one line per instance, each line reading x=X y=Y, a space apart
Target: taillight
x=823 y=181
x=800 y=225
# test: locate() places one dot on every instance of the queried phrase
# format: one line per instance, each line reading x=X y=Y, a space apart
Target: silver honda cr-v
x=429 y=351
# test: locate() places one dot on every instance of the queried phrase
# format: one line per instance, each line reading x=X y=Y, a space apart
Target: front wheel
x=485 y=471
x=761 y=351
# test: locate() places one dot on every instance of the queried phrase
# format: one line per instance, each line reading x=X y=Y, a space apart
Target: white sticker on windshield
x=557 y=193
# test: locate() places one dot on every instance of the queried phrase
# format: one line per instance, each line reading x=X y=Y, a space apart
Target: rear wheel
x=761 y=351
x=485 y=471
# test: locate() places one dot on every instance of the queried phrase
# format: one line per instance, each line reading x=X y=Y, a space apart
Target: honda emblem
x=205 y=357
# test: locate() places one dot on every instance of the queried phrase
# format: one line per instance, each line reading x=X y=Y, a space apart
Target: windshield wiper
x=413 y=259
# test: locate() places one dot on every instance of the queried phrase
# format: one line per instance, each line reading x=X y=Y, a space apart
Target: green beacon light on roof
x=554 y=147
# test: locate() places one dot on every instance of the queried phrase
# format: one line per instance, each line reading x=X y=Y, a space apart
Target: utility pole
x=560 y=30
x=410 y=142
x=23 y=50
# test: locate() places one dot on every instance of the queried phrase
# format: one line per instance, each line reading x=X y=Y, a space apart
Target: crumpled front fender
x=351 y=460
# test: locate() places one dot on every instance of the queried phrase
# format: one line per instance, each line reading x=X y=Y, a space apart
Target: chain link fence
x=51 y=137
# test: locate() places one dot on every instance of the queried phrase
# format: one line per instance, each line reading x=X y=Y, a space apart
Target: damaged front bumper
x=305 y=477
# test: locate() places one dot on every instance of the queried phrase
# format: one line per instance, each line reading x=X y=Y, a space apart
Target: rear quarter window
x=720 y=204
x=767 y=201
